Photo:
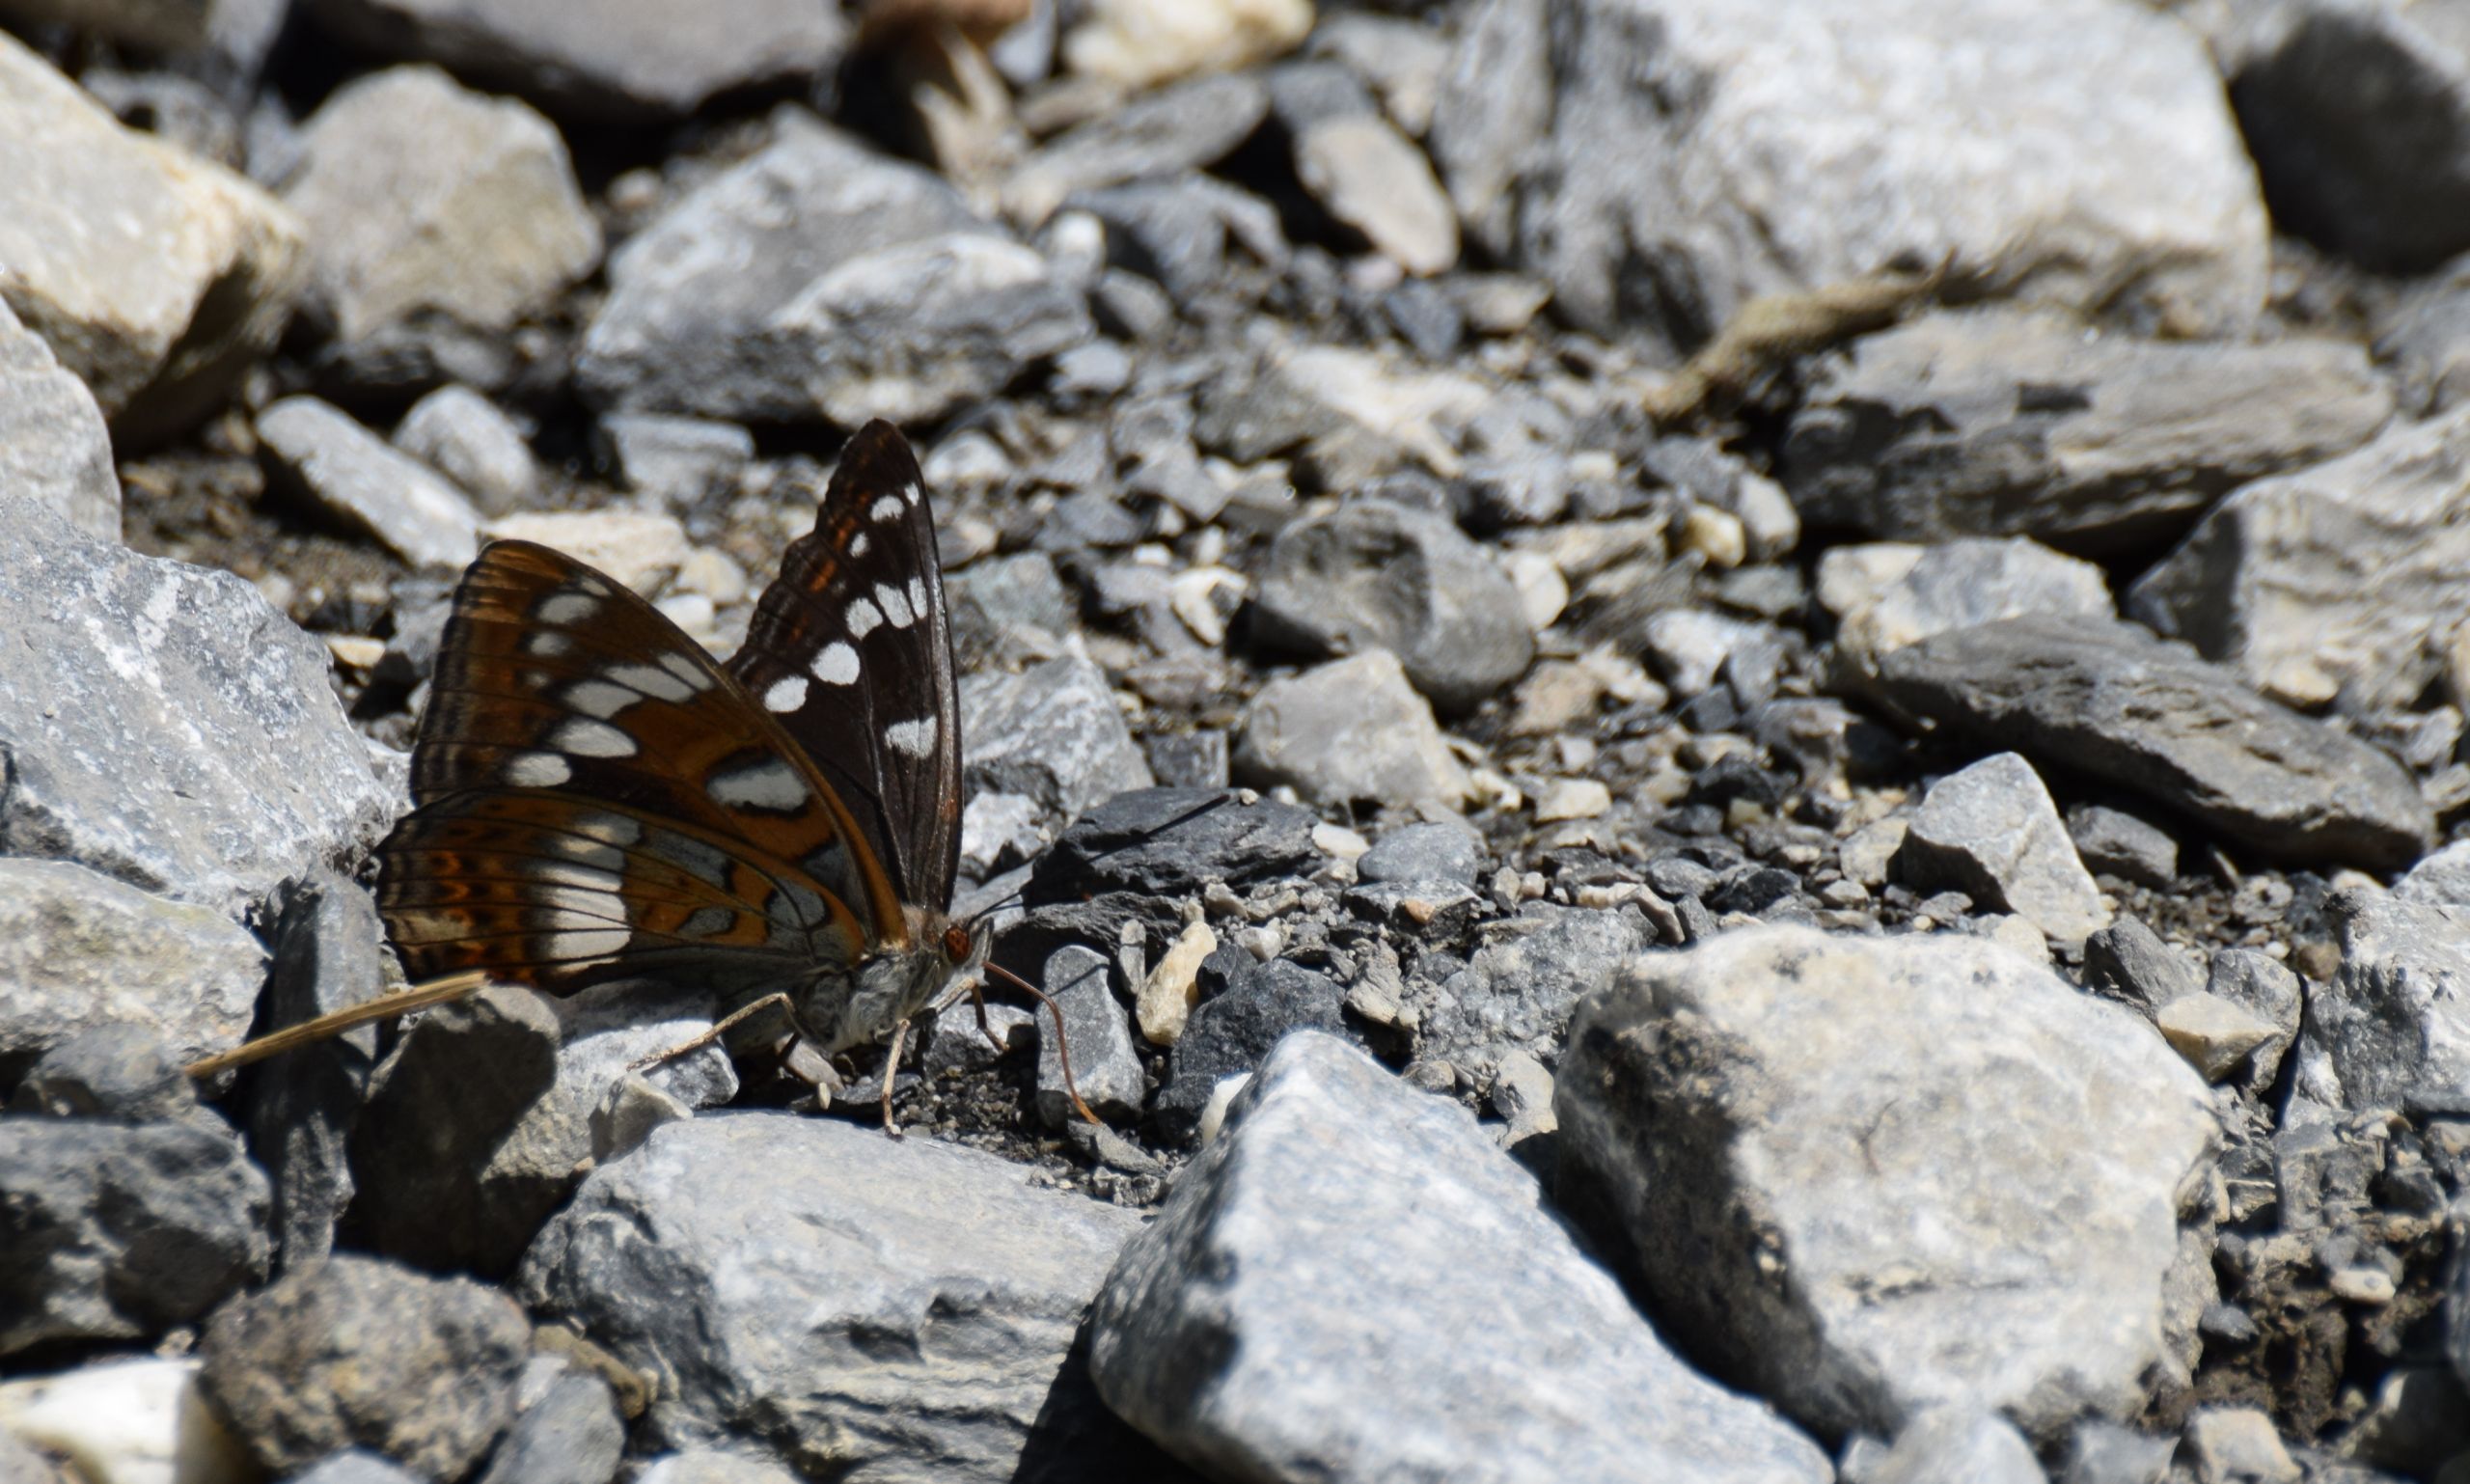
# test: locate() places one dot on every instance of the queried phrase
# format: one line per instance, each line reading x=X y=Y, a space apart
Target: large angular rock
x=2341 y=580
x=819 y=279
x=618 y=59
x=1373 y=575
x=1173 y=842
x=915 y=1305
x=1352 y=730
x=79 y=951
x=437 y=218
x=155 y=275
x=2138 y=202
x=54 y=448
x=1972 y=1171
x=2002 y=422
x=2108 y=699
x=161 y=723
x=1991 y=831
x=1353 y=1283
x=1052 y=733
x=2396 y=1018
x=119 y=1231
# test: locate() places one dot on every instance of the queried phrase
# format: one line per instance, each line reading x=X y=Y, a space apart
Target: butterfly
x=597 y=799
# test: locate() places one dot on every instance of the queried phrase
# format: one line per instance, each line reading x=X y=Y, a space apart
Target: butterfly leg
x=891 y=1073
x=1062 y=1053
x=720 y=1027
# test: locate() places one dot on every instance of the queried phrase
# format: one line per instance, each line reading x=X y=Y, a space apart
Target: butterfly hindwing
x=850 y=649
x=562 y=698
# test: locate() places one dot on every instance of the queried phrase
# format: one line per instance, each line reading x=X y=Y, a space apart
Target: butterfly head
x=844 y=1007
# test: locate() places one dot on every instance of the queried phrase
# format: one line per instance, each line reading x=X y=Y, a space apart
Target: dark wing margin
x=850 y=649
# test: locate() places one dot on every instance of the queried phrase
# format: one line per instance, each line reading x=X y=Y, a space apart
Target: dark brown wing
x=850 y=647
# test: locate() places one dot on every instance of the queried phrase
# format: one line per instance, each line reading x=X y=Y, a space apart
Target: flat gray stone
x=1954 y=584
x=79 y=951
x=620 y=61
x=54 y=448
x=2116 y=841
x=120 y=1232
x=1365 y=174
x=820 y=279
x=1992 y=832
x=1972 y=1171
x=2138 y=202
x=675 y=460
x=1348 y=730
x=154 y=276
x=358 y=1353
x=462 y=436
x=352 y=472
x=2342 y=580
x=1175 y=130
x=1373 y=575
x=2004 y=422
x=2111 y=700
x=1097 y=1031
x=1353 y=1283
x=164 y=726
x=915 y=1306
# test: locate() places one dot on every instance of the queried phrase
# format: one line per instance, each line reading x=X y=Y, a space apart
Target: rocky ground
x=1730 y=732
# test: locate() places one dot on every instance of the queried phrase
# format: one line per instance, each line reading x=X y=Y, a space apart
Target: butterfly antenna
x=420 y=997
x=1062 y=1053
x=1142 y=838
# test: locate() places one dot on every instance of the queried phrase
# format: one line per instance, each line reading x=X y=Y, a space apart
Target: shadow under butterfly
x=597 y=799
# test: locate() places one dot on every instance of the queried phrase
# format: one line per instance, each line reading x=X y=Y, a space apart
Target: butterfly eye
x=957 y=944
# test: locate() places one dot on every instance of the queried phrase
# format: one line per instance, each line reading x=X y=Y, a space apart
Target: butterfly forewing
x=573 y=735
x=850 y=649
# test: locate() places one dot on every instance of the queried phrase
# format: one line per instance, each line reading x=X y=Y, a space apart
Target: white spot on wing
x=577 y=874
x=588 y=942
x=583 y=903
x=767 y=783
x=615 y=829
x=861 y=618
x=786 y=693
x=537 y=770
x=858 y=543
x=888 y=508
x=654 y=681
x=566 y=607
x=600 y=697
x=912 y=493
x=687 y=671
x=587 y=738
x=895 y=605
x=914 y=740
x=918 y=596
x=837 y=665
x=547 y=644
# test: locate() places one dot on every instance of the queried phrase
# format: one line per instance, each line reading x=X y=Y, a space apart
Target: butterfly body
x=600 y=800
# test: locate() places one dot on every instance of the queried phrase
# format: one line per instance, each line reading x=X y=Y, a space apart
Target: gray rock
x=2396 y=1018
x=155 y=276
x=1689 y=646
x=1893 y=1121
x=355 y=1465
x=54 y=448
x=232 y=767
x=570 y=1434
x=821 y=279
x=715 y=1465
x=677 y=461
x=2357 y=117
x=2103 y=1452
x=358 y=1353
x=1957 y=584
x=1170 y=842
x=2341 y=580
x=1348 y=1264
x=2129 y=960
x=2442 y=879
x=2269 y=991
x=1402 y=58
x=437 y=218
x=1992 y=832
x=1953 y=1445
x=1051 y=732
x=2141 y=204
x=120 y=1232
x=299 y=1107
x=1373 y=575
x=2115 y=843
x=1517 y=993
x=79 y=952
x=1179 y=231
x=2238 y=1446
x=1302 y=93
x=917 y=1304
x=2109 y=700
x=1231 y=1031
x=1351 y=729
x=1365 y=174
x=620 y=61
x=1174 y=130
x=1443 y=850
x=956 y=1043
x=1097 y=1032
x=362 y=483
x=462 y=436
x=1999 y=423
x=2418 y=1421
x=2422 y=340
x=994 y=601
x=123 y=1073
